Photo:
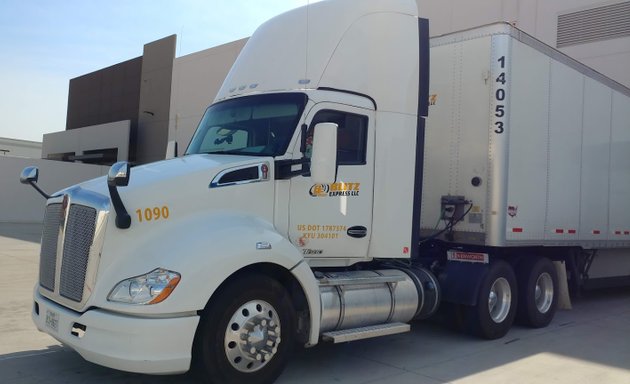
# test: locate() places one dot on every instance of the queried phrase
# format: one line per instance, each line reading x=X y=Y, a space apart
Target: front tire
x=538 y=292
x=494 y=313
x=246 y=334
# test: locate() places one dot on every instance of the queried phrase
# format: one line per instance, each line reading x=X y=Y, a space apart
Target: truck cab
x=226 y=256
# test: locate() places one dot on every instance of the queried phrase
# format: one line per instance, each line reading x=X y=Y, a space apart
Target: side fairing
x=323 y=45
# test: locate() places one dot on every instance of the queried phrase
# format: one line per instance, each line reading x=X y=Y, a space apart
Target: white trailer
x=314 y=203
x=538 y=143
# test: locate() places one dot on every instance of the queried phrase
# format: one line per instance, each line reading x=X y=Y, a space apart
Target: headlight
x=151 y=288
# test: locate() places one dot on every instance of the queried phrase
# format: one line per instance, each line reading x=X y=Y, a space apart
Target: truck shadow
x=591 y=338
x=57 y=364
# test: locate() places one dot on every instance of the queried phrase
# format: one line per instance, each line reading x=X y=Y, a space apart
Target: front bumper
x=126 y=343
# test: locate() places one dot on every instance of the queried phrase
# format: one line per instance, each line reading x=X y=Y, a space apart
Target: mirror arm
x=38 y=189
x=123 y=220
x=118 y=176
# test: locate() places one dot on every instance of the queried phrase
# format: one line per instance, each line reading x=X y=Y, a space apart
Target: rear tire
x=246 y=334
x=538 y=292
x=494 y=313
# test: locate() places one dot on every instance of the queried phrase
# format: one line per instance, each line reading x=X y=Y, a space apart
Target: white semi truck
x=336 y=190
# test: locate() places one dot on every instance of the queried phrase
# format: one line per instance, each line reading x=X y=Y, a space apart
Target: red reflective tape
x=572 y=231
x=626 y=232
x=559 y=230
x=519 y=230
x=596 y=232
x=617 y=232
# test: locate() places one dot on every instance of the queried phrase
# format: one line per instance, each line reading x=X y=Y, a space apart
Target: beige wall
x=20 y=203
x=538 y=18
x=196 y=80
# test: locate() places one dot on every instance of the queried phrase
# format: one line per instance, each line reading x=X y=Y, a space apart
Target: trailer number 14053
x=150 y=214
x=499 y=95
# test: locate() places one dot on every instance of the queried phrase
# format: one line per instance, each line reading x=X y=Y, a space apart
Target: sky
x=45 y=43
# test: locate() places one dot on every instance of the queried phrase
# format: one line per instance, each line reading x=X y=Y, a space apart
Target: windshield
x=260 y=125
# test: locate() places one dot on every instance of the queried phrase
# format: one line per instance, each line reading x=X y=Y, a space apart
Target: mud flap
x=460 y=282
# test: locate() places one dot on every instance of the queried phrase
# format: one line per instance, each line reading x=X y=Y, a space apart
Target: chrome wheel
x=543 y=295
x=499 y=300
x=252 y=336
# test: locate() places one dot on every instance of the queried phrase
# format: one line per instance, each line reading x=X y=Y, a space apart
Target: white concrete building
x=20 y=148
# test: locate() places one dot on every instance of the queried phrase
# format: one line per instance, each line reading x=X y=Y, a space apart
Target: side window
x=351 y=135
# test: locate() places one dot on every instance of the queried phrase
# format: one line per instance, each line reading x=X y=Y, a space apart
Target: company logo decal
x=335 y=189
x=512 y=210
x=471 y=257
x=312 y=251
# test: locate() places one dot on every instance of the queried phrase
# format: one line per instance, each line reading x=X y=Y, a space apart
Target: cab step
x=365 y=332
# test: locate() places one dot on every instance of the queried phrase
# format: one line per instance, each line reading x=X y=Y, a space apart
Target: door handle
x=357 y=231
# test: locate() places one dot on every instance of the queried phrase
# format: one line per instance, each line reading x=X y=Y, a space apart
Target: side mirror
x=118 y=175
x=171 y=150
x=324 y=157
x=29 y=175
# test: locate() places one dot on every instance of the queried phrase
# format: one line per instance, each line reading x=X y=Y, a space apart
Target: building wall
x=109 y=94
x=137 y=90
x=97 y=144
x=20 y=148
x=538 y=18
x=155 y=100
x=20 y=203
x=196 y=80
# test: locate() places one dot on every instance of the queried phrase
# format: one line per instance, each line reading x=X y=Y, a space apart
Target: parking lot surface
x=588 y=344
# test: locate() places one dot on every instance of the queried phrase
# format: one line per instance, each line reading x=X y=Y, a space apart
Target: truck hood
x=171 y=203
x=192 y=170
x=163 y=193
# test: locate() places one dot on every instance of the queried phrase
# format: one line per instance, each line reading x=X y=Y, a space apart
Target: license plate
x=52 y=320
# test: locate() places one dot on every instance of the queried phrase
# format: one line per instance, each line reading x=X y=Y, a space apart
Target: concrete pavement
x=590 y=343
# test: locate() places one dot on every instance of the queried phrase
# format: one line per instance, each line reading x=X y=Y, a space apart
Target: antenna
x=308 y=5
x=181 y=41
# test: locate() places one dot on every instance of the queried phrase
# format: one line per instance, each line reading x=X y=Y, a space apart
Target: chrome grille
x=76 y=251
x=48 y=253
x=73 y=235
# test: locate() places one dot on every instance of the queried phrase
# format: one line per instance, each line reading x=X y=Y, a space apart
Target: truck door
x=334 y=220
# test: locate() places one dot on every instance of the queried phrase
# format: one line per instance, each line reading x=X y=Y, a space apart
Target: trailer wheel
x=538 y=292
x=494 y=313
x=247 y=334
